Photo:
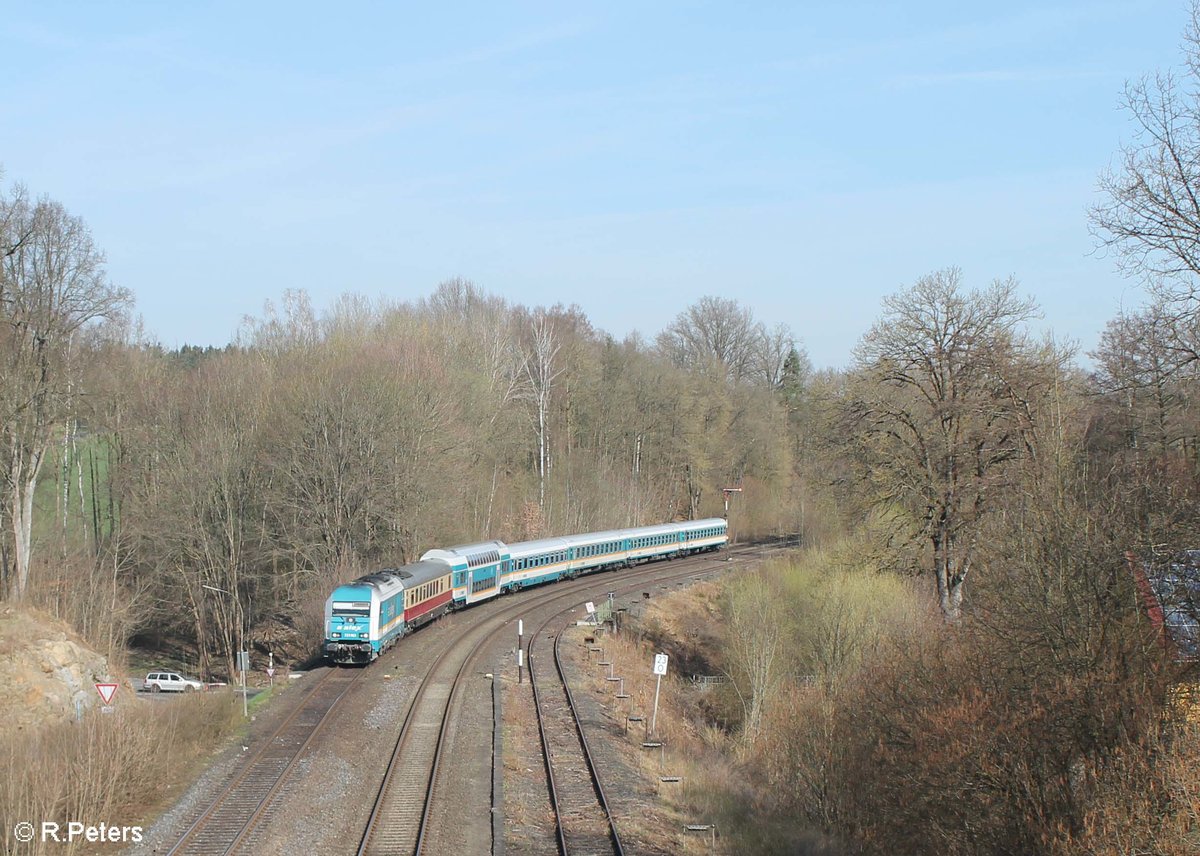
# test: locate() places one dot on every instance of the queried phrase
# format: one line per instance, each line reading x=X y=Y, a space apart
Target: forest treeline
x=983 y=677
x=184 y=495
x=189 y=494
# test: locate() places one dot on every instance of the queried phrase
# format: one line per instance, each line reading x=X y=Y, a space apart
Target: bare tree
x=775 y=347
x=1150 y=215
x=541 y=369
x=1138 y=368
x=52 y=284
x=755 y=625
x=714 y=329
x=940 y=410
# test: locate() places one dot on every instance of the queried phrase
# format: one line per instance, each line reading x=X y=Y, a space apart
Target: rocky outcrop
x=47 y=673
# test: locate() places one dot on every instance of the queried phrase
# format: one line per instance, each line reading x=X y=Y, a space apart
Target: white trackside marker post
x=243 y=667
x=520 y=647
x=660 y=669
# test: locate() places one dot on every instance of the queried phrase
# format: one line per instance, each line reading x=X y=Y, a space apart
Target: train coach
x=366 y=617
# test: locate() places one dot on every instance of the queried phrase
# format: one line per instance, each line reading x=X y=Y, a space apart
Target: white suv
x=170 y=682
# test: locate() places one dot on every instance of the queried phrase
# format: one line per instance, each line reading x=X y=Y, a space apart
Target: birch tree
x=540 y=368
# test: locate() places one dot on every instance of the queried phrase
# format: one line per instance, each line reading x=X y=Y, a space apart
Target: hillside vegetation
x=959 y=661
x=855 y=720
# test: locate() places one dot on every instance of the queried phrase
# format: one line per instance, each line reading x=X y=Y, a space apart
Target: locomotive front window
x=346 y=607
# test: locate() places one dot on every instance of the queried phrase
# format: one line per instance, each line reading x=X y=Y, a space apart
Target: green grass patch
x=73 y=498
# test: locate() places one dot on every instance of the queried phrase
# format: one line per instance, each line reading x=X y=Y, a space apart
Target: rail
x=226 y=821
x=556 y=749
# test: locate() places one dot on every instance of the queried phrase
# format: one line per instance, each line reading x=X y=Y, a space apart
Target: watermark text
x=74 y=832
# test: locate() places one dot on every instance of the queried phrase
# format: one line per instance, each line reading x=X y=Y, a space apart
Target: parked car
x=170 y=682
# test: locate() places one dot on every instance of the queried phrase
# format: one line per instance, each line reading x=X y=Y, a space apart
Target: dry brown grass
x=715 y=787
x=113 y=768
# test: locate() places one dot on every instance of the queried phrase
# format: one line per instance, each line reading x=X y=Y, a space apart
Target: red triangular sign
x=106 y=691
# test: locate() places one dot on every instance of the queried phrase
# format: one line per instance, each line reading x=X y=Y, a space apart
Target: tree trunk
x=21 y=499
x=541 y=454
x=949 y=580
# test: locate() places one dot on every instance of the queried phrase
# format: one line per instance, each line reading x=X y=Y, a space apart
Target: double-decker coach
x=476 y=569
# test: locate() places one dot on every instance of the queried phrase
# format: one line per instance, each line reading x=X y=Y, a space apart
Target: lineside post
x=660 y=669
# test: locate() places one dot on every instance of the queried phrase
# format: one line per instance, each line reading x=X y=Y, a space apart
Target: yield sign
x=106 y=691
x=270 y=673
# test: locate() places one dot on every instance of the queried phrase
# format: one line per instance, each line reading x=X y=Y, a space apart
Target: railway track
x=226 y=821
x=583 y=820
x=399 y=821
x=400 y=816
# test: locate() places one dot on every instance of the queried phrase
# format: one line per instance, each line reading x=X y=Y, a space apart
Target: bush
x=107 y=767
x=1003 y=733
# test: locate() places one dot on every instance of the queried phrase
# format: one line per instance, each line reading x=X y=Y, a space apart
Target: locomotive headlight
x=336 y=635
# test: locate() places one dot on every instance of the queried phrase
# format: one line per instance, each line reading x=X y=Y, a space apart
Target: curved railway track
x=584 y=821
x=400 y=814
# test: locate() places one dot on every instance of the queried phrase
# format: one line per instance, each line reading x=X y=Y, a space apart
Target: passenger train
x=366 y=617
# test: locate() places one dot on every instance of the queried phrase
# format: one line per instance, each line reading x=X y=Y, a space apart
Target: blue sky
x=804 y=158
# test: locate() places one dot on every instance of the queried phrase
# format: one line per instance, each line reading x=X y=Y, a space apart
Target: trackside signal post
x=727 y=491
x=243 y=657
x=660 y=669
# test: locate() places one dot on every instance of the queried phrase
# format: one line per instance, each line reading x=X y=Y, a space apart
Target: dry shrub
x=91 y=594
x=992 y=736
x=1147 y=799
x=1036 y=724
x=953 y=750
x=107 y=767
x=796 y=762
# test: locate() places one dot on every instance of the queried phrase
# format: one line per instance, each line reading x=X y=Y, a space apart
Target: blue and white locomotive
x=366 y=617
